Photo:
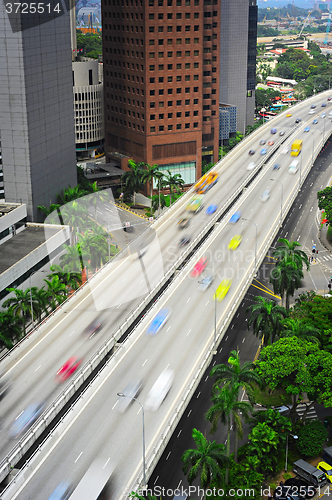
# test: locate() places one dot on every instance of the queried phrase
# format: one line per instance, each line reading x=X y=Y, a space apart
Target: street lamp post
x=215 y=319
x=282 y=194
x=31 y=305
x=248 y=220
x=295 y=437
x=121 y=395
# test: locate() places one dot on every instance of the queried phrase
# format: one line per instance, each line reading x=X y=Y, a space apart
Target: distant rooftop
x=5 y=208
x=22 y=244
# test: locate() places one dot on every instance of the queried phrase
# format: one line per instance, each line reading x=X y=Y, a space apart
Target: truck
x=296 y=147
x=94 y=483
x=308 y=472
x=327 y=455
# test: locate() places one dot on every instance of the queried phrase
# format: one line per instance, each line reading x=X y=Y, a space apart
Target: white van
x=159 y=390
x=294 y=166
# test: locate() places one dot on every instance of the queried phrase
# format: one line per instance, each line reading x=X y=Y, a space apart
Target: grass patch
x=275 y=398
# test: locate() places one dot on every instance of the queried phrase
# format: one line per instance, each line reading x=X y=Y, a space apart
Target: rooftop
x=22 y=244
x=5 y=208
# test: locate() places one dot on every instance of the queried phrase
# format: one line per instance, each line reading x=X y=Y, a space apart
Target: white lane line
x=169 y=328
x=115 y=405
x=19 y=415
x=189 y=413
x=107 y=462
x=226 y=338
x=37 y=368
x=238 y=314
x=198 y=395
x=79 y=456
x=214 y=363
x=144 y=362
x=71 y=333
x=179 y=433
x=178 y=486
x=220 y=349
x=286 y=234
x=168 y=455
x=118 y=306
x=188 y=300
x=206 y=378
x=298 y=238
x=207 y=302
x=300 y=206
x=232 y=326
x=311 y=209
x=243 y=339
x=156 y=479
x=189 y=331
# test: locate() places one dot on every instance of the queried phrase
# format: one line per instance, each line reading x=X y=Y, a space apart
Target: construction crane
x=263 y=22
x=305 y=22
x=328 y=27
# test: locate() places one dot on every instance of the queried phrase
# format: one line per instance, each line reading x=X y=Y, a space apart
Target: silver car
x=131 y=391
x=205 y=283
x=265 y=196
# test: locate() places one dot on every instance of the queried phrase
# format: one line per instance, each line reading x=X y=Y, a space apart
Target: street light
x=248 y=220
x=121 y=395
x=282 y=193
x=295 y=437
x=215 y=319
x=31 y=305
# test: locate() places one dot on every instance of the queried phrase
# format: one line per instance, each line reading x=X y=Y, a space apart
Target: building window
x=169 y=16
x=178 y=29
x=187 y=53
x=178 y=15
x=161 y=104
x=170 y=91
x=178 y=103
x=187 y=65
x=196 y=28
x=178 y=114
x=152 y=104
x=161 y=91
x=170 y=41
x=187 y=78
x=179 y=90
x=187 y=125
x=160 y=16
x=178 y=53
x=169 y=66
x=161 y=128
x=161 y=116
x=151 y=30
x=169 y=29
x=187 y=113
x=161 y=79
x=187 y=102
x=169 y=78
x=151 y=55
x=169 y=54
x=178 y=66
x=160 y=54
x=196 y=52
x=195 y=77
x=152 y=92
x=170 y=127
x=187 y=90
x=187 y=28
x=152 y=80
x=195 y=124
x=161 y=67
x=187 y=15
x=178 y=126
x=151 y=16
x=196 y=65
x=151 y=67
x=152 y=129
x=170 y=103
x=170 y=115
x=151 y=42
x=187 y=41
x=195 y=101
x=160 y=29
x=178 y=78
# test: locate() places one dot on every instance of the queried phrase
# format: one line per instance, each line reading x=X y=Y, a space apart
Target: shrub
x=287 y=475
x=311 y=438
x=272 y=486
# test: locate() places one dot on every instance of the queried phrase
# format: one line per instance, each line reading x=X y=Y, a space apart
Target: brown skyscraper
x=161 y=81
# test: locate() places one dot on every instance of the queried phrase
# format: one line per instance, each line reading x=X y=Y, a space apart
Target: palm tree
x=10 y=329
x=133 y=178
x=72 y=280
x=286 y=278
x=48 y=211
x=299 y=328
x=227 y=408
x=158 y=201
x=266 y=317
x=204 y=461
x=56 y=291
x=149 y=175
x=288 y=252
x=236 y=376
x=20 y=305
x=75 y=215
x=70 y=194
x=94 y=249
x=174 y=182
x=72 y=259
x=41 y=298
x=98 y=197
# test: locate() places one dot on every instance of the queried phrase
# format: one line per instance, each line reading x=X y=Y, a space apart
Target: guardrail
x=58 y=404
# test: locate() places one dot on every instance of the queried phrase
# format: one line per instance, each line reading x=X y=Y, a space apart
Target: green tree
x=325 y=202
x=286 y=278
x=266 y=319
x=41 y=298
x=72 y=258
x=149 y=175
x=20 y=304
x=311 y=438
x=68 y=278
x=155 y=201
x=289 y=251
x=204 y=461
x=70 y=194
x=280 y=424
x=174 y=182
x=56 y=291
x=74 y=215
x=48 y=211
x=132 y=180
x=227 y=408
x=10 y=329
x=299 y=328
x=264 y=443
x=94 y=248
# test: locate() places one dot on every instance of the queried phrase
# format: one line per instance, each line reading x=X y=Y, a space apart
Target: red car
x=68 y=368
x=199 y=267
x=270 y=143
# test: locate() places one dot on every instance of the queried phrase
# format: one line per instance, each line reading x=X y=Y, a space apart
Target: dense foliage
x=311 y=438
x=89 y=44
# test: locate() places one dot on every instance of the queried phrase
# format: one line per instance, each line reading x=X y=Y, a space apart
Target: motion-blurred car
x=235 y=242
x=183 y=223
x=129 y=229
x=327 y=468
x=270 y=143
x=222 y=289
x=288 y=115
x=5 y=384
x=298 y=120
x=315 y=121
x=205 y=283
x=273 y=130
x=276 y=166
x=313 y=106
x=184 y=241
x=68 y=368
x=199 y=267
x=285 y=151
x=251 y=166
x=307 y=129
x=158 y=322
x=329 y=98
x=159 y=390
x=324 y=105
x=92 y=328
x=265 y=196
x=131 y=391
x=312 y=112
x=26 y=419
x=62 y=491
x=211 y=209
x=195 y=205
x=262 y=142
x=251 y=152
x=282 y=133
x=308 y=490
x=323 y=115
x=235 y=217
x=294 y=166
x=263 y=151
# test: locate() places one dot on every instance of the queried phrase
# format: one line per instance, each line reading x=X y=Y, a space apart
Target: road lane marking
x=144 y=362
x=188 y=300
x=156 y=480
x=107 y=462
x=243 y=339
x=198 y=395
x=226 y=338
x=179 y=433
x=168 y=455
x=115 y=405
x=169 y=328
x=207 y=302
x=37 y=368
x=206 y=378
x=79 y=456
x=189 y=413
x=19 y=415
x=72 y=333
x=189 y=331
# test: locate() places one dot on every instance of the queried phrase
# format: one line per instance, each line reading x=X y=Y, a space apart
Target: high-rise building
x=161 y=82
x=37 y=131
x=238 y=40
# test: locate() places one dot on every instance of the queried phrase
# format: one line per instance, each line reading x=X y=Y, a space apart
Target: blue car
x=315 y=121
x=235 y=217
x=307 y=129
x=159 y=321
x=26 y=419
x=211 y=209
x=263 y=152
x=61 y=492
x=273 y=130
x=324 y=104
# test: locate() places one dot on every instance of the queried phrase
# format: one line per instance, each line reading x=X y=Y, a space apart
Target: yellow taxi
x=222 y=289
x=288 y=115
x=235 y=241
x=323 y=466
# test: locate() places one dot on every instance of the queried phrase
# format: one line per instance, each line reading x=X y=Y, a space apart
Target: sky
x=281 y=3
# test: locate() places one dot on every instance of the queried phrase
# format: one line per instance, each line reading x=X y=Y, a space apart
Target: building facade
x=89 y=108
x=37 y=133
x=161 y=82
x=238 y=39
x=227 y=122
